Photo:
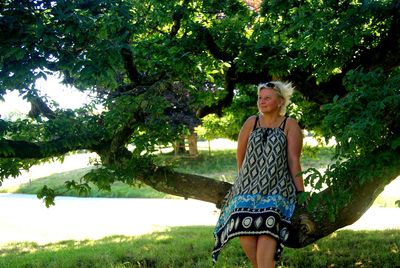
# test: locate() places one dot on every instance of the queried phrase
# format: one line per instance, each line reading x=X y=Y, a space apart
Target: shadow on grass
x=191 y=246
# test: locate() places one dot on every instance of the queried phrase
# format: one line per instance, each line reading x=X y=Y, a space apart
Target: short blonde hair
x=284 y=90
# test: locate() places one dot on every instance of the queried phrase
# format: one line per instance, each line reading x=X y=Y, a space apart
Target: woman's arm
x=295 y=145
x=244 y=134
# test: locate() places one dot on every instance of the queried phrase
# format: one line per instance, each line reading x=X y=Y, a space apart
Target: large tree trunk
x=179 y=147
x=192 y=139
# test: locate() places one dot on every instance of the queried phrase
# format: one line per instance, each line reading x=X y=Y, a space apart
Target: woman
x=261 y=202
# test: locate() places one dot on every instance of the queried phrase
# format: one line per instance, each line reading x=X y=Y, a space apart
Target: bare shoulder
x=291 y=122
x=248 y=126
x=292 y=126
x=250 y=122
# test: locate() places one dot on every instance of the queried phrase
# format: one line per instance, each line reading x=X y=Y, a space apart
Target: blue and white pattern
x=262 y=199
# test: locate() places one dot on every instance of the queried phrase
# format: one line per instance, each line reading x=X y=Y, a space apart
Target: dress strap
x=283 y=124
x=255 y=123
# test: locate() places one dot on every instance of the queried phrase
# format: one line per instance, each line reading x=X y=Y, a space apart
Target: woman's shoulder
x=292 y=125
x=291 y=121
x=250 y=121
x=252 y=118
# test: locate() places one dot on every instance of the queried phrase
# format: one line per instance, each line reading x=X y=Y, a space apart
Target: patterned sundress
x=262 y=199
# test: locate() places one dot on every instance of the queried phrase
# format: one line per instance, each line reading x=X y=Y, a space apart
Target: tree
x=157 y=67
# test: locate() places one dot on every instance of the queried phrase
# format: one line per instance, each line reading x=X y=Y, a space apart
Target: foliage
x=361 y=123
x=155 y=69
x=213 y=127
x=364 y=120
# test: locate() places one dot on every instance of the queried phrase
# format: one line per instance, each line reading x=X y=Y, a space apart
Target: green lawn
x=190 y=247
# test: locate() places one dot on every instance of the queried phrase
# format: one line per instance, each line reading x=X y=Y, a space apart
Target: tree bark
x=179 y=147
x=192 y=139
x=186 y=185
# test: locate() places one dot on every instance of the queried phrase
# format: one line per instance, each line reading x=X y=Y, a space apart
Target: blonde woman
x=260 y=204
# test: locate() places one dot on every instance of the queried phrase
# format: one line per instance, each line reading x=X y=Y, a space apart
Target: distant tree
x=156 y=67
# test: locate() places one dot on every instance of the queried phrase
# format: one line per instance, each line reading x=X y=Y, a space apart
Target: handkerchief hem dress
x=262 y=199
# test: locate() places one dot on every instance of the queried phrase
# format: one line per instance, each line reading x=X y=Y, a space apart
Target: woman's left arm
x=295 y=145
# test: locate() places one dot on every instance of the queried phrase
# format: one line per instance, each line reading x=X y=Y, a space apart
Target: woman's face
x=269 y=101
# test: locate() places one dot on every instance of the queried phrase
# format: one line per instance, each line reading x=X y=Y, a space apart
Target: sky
x=67 y=97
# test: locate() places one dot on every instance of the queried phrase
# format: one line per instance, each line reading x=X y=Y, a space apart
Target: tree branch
x=186 y=185
x=225 y=101
x=38 y=150
x=38 y=107
x=321 y=93
x=387 y=53
x=213 y=47
x=130 y=67
x=177 y=17
x=362 y=197
x=122 y=135
x=62 y=143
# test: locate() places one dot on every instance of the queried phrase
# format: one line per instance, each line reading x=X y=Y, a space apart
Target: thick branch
x=362 y=197
x=39 y=107
x=212 y=46
x=230 y=76
x=32 y=150
x=186 y=185
x=177 y=17
x=226 y=100
x=130 y=67
x=387 y=53
x=57 y=146
x=122 y=135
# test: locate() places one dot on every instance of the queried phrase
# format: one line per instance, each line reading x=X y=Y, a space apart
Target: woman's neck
x=270 y=120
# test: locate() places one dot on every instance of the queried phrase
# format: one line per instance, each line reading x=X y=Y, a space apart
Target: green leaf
x=48 y=195
x=395 y=143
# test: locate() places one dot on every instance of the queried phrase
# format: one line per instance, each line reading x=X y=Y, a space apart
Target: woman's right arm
x=244 y=134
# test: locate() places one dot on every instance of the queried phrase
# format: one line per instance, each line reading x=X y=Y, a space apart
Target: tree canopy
x=157 y=67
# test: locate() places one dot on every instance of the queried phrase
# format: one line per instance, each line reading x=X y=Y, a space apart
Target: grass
x=190 y=247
